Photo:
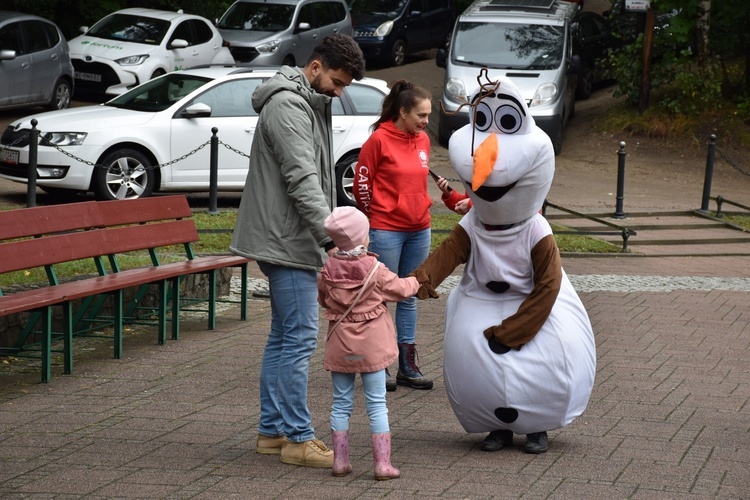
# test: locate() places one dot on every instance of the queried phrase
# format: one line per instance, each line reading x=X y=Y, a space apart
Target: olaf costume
x=519 y=352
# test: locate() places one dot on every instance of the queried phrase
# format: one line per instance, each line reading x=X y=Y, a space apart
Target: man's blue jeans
x=286 y=359
x=402 y=252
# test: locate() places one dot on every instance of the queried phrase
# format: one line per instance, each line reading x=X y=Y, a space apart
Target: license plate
x=8 y=156
x=89 y=77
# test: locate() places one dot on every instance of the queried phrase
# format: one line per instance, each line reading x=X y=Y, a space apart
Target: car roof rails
x=555 y=8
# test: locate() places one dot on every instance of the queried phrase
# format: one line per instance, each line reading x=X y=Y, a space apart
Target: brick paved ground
x=668 y=418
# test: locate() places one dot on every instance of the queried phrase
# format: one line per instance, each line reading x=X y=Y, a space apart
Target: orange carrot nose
x=485 y=157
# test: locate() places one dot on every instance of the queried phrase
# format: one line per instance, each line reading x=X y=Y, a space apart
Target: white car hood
x=101 y=48
x=85 y=119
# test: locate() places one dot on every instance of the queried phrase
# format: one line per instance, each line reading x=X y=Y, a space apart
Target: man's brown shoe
x=269 y=445
x=311 y=453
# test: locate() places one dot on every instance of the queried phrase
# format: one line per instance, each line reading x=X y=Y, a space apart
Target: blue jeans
x=402 y=252
x=286 y=359
x=343 y=400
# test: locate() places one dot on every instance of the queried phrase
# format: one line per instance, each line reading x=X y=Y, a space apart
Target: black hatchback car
x=388 y=30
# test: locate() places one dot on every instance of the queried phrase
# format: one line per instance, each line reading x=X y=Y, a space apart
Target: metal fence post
x=709 y=173
x=619 y=213
x=31 y=171
x=214 y=173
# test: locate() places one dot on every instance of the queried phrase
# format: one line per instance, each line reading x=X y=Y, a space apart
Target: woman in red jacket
x=390 y=186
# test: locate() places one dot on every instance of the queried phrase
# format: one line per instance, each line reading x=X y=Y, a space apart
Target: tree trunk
x=702 y=31
x=648 y=41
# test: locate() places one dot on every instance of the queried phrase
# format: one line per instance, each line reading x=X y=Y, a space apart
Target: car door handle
x=250 y=130
x=339 y=130
x=25 y=65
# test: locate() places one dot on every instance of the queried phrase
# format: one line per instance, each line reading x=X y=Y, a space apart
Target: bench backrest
x=74 y=231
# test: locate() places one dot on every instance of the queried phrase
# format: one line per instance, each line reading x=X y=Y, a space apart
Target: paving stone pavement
x=668 y=417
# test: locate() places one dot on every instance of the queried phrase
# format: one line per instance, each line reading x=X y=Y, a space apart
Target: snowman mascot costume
x=519 y=352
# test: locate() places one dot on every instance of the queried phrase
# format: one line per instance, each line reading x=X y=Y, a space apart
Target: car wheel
x=585 y=86
x=288 y=61
x=398 y=53
x=61 y=96
x=122 y=175
x=157 y=73
x=345 y=180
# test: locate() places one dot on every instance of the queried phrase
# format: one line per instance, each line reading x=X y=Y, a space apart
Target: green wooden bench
x=44 y=237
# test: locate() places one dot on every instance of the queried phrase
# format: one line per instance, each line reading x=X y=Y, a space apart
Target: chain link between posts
x=146 y=167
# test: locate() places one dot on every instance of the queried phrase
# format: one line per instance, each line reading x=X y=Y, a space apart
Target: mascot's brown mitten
x=426 y=290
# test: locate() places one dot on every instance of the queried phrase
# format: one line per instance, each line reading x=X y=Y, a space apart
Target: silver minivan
x=529 y=42
x=35 y=67
x=276 y=32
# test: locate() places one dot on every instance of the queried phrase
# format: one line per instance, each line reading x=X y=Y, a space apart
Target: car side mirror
x=415 y=13
x=7 y=55
x=197 y=110
x=303 y=27
x=83 y=29
x=441 y=57
x=178 y=43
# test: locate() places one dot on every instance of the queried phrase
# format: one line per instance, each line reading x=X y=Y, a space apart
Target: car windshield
x=509 y=46
x=377 y=7
x=138 y=29
x=252 y=16
x=159 y=94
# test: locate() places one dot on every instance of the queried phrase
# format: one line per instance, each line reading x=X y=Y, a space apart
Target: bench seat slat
x=58 y=294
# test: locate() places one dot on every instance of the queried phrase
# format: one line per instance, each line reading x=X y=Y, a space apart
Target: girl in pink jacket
x=353 y=288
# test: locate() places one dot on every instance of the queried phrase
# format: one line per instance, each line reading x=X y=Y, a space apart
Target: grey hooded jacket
x=289 y=189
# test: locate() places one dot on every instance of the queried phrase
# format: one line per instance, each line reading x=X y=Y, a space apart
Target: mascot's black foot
x=536 y=443
x=497 y=440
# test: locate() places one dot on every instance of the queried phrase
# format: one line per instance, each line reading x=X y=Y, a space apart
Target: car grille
x=363 y=34
x=109 y=77
x=20 y=170
x=16 y=138
x=243 y=54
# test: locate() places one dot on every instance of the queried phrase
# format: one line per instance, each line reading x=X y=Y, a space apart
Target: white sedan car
x=132 y=46
x=157 y=136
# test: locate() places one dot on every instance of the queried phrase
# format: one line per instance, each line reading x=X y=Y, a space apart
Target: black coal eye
x=482 y=117
x=508 y=119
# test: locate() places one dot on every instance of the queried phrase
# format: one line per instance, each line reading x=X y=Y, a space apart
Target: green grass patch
x=739 y=220
x=216 y=234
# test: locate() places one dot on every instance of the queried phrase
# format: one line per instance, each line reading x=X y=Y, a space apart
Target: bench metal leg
x=68 y=337
x=243 y=293
x=46 y=344
x=163 y=312
x=176 y=308
x=117 y=317
x=212 y=299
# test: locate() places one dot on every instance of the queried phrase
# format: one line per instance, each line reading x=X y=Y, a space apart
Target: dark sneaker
x=536 y=443
x=497 y=440
x=390 y=382
x=408 y=371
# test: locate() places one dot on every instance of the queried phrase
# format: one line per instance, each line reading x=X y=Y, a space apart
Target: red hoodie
x=390 y=181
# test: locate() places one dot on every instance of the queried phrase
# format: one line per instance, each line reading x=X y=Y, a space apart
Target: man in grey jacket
x=288 y=193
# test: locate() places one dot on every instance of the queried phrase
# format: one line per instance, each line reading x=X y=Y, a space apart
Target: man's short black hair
x=340 y=51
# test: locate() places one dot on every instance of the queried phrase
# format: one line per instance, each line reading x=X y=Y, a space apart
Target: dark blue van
x=388 y=30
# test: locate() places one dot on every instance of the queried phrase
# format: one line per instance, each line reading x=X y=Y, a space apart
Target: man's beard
x=316 y=84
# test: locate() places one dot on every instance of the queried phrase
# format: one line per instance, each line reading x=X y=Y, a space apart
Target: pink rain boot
x=341 y=465
x=381 y=452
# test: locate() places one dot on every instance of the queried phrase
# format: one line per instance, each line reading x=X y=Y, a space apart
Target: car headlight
x=132 y=60
x=384 y=28
x=62 y=138
x=544 y=94
x=455 y=90
x=269 y=47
